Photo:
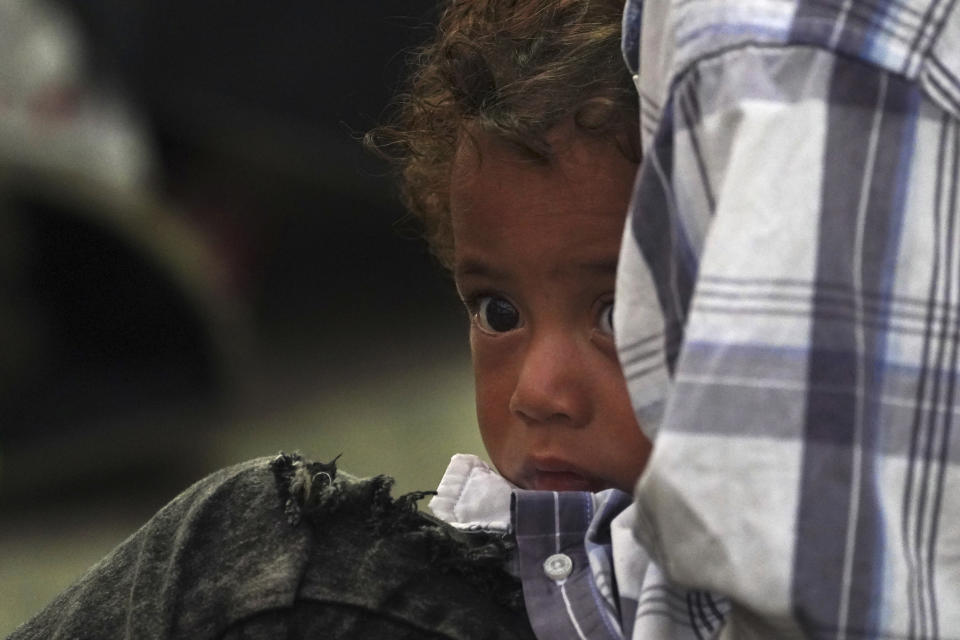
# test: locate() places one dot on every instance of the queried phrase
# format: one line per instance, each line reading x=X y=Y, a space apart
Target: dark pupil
x=501 y=315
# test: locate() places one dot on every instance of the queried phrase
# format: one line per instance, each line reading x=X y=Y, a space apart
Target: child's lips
x=553 y=474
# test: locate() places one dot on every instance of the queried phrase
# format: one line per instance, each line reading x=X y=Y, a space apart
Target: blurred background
x=199 y=264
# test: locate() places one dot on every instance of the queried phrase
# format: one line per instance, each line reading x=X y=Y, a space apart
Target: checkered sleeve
x=788 y=310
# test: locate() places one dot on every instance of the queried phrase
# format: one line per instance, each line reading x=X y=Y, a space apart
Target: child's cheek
x=494 y=379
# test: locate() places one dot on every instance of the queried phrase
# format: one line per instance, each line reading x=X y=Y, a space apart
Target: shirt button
x=558 y=566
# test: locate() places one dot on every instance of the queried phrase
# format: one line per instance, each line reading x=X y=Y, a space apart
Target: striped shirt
x=584 y=576
x=788 y=310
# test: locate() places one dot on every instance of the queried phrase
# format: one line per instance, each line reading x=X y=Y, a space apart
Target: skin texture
x=536 y=247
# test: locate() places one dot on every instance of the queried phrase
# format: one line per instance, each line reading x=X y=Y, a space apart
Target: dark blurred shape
x=256 y=110
x=185 y=206
x=285 y=88
x=115 y=322
x=112 y=309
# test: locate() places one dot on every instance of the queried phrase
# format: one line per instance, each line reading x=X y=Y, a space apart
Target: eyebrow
x=603 y=266
x=478 y=268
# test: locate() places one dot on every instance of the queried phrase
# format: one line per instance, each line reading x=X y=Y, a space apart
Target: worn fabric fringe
x=314 y=491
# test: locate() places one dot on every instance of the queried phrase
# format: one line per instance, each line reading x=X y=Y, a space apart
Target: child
x=517 y=146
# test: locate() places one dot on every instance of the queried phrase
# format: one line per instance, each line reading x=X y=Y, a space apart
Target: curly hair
x=513 y=69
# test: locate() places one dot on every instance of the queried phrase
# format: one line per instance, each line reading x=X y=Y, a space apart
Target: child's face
x=536 y=251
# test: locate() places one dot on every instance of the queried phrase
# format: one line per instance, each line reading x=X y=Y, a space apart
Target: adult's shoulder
x=287 y=547
x=218 y=552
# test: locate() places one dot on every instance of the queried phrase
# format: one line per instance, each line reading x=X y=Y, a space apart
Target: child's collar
x=473 y=496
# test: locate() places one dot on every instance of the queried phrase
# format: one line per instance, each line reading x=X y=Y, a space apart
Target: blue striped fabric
x=788 y=310
x=613 y=591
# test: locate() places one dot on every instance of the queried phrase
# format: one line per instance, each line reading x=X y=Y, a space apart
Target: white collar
x=473 y=496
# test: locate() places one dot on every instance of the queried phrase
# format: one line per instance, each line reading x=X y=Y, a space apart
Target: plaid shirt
x=788 y=309
x=584 y=576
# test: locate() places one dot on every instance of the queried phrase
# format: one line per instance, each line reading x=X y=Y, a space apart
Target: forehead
x=580 y=163
x=506 y=205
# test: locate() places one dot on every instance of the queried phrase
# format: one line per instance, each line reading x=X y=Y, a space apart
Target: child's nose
x=552 y=384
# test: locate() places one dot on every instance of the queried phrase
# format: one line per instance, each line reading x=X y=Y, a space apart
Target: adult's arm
x=788 y=310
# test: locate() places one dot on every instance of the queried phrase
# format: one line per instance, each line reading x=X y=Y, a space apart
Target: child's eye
x=496 y=315
x=605 y=320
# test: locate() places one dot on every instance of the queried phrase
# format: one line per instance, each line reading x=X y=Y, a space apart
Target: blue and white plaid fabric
x=611 y=591
x=788 y=310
